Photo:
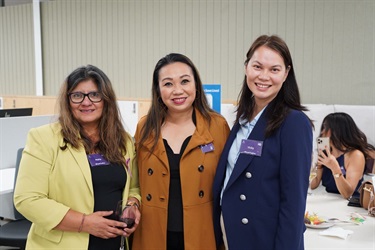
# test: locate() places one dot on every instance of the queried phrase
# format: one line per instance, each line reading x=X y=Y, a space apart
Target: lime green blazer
x=51 y=181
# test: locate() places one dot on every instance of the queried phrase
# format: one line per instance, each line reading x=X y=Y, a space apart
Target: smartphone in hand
x=323 y=144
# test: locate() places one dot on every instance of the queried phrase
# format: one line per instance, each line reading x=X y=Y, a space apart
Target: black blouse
x=175 y=211
x=108 y=183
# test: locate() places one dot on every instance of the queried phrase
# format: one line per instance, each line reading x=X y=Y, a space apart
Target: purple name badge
x=207 y=148
x=97 y=160
x=251 y=147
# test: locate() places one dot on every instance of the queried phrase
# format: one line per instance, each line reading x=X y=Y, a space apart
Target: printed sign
x=213 y=94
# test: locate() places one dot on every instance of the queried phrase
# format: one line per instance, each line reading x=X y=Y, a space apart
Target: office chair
x=14 y=233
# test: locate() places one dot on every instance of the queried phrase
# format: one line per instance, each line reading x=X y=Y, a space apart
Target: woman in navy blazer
x=261 y=181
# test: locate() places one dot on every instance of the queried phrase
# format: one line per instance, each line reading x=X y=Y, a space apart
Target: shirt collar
x=246 y=123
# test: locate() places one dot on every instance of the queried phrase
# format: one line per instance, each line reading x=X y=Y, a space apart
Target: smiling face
x=177 y=87
x=265 y=75
x=87 y=113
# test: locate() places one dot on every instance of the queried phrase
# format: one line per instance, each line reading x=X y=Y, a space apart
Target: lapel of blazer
x=159 y=152
x=244 y=160
x=222 y=165
x=201 y=135
x=79 y=156
x=81 y=159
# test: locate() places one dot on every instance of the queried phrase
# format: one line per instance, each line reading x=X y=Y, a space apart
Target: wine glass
x=313 y=174
x=125 y=214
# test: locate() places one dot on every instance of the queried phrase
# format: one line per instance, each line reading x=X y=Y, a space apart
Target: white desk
x=6 y=192
x=6 y=180
x=334 y=206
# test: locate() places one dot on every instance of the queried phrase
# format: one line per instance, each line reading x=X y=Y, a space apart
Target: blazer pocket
x=53 y=235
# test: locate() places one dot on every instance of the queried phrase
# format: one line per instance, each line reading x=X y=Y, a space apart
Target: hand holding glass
x=313 y=174
x=126 y=214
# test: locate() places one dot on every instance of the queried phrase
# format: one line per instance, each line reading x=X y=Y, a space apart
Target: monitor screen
x=16 y=112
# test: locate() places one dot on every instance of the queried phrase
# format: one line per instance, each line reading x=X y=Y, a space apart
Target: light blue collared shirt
x=242 y=133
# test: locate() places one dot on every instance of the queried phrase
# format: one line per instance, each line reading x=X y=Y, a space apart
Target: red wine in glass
x=129 y=222
x=126 y=214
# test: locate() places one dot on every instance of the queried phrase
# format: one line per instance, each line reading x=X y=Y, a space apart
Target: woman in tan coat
x=178 y=147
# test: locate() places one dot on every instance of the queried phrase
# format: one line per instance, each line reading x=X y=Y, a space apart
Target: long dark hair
x=158 y=110
x=345 y=135
x=112 y=134
x=288 y=97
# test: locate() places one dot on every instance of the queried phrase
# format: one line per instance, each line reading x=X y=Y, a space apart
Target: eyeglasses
x=78 y=97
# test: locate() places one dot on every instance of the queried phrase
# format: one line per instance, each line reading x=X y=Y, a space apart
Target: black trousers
x=175 y=240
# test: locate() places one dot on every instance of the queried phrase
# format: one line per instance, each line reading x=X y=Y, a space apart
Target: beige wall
x=332 y=43
x=16 y=50
x=46 y=105
x=43 y=105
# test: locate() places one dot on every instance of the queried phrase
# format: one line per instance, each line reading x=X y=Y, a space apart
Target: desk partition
x=13 y=133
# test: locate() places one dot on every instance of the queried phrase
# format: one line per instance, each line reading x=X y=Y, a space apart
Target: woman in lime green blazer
x=74 y=171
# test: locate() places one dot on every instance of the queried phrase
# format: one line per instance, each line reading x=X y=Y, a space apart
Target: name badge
x=207 y=148
x=97 y=160
x=251 y=147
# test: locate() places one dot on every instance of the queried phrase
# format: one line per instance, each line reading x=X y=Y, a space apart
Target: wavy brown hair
x=113 y=137
x=286 y=99
x=158 y=110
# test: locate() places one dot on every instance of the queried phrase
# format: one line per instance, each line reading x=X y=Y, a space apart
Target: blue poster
x=213 y=94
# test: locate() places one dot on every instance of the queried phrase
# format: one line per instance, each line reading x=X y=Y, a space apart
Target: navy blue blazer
x=264 y=202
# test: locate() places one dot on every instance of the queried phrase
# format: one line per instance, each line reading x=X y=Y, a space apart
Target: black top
x=328 y=180
x=108 y=183
x=175 y=211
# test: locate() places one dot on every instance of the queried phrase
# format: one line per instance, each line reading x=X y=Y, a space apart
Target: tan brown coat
x=197 y=171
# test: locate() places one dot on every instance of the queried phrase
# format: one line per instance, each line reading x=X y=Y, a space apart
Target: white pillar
x=38 y=49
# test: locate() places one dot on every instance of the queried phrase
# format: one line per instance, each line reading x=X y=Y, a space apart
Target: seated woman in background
x=341 y=169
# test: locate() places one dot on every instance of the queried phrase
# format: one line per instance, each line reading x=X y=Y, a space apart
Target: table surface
x=330 y=205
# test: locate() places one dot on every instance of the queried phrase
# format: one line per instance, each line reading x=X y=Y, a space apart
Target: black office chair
x=14 y=233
